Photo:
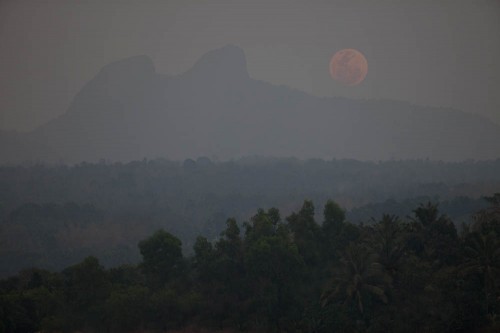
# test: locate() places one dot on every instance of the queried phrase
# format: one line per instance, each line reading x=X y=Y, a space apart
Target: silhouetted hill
x=128 y=111
x=54 y=216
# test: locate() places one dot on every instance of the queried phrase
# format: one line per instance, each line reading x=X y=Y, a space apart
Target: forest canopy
x=277 y=274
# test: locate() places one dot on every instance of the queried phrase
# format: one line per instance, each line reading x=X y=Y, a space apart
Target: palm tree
x=488 y=219
x=360 y=277
x=387 y=240
x=483 y=258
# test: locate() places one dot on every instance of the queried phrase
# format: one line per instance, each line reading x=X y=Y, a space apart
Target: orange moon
x=349 y=67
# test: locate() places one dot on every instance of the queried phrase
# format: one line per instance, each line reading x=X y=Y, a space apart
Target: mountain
x=128 y=111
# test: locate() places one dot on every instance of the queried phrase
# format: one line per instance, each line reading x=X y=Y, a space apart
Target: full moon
x=349 y=67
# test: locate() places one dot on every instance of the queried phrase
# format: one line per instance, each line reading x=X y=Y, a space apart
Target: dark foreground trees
x=281 y=275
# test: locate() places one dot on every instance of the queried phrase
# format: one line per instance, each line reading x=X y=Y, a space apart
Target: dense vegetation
x=54 y=216
x=282 y=275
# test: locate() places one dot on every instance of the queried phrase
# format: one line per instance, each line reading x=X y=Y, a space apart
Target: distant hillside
x=54 y=216
x=128 y=111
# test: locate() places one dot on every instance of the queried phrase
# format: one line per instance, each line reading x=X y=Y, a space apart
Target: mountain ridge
x=128 y=111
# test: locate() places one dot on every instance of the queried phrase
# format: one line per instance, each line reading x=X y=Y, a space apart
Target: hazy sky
x=440 y=53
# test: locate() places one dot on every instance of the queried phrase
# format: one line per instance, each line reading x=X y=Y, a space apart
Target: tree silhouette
x=387 y=239
x=359 y=279
x=483 y=258
x=162 y=257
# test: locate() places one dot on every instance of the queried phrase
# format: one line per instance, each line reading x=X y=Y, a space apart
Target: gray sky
x=439 y=53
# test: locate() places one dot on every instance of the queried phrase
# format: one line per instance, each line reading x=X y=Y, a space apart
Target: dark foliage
x=281 y=275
